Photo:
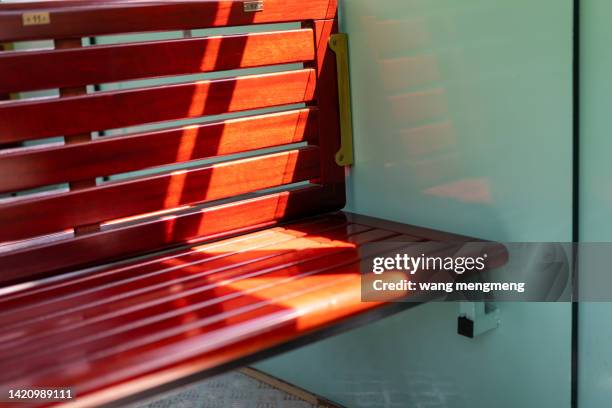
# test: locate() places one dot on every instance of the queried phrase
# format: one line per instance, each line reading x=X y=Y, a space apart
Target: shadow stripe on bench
x=69 y=19
x=21 y=170
x=44 y=215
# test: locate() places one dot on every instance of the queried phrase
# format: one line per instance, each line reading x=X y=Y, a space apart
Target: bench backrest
x=94 y=219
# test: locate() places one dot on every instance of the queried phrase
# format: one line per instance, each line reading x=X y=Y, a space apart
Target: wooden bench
x=124 y=287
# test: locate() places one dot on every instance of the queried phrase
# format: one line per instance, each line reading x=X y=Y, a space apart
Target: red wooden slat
x=89 y=18
x=145 y=237
x=38 y=216
x=306 y=311
x=229 y=290
x=288 y=304
x=114 y=155
x=216 y=273
x=64 y=287
x=24 y=71
x=405 y=229
x=204 y=315
x=107 y=110
x=201 y=278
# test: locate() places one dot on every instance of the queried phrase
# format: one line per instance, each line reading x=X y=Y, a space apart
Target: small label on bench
x=36 y=18
x=253 y=5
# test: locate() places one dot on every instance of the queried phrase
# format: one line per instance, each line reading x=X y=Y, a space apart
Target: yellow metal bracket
x=339 y=44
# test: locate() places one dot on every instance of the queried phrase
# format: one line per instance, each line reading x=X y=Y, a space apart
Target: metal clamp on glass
x=477 y=318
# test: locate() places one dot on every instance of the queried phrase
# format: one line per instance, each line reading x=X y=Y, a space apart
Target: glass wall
x=595 y=332
x=463 y=122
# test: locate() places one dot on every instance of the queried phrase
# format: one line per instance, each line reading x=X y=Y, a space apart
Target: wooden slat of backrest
x=114 y=155
x=91 y=18
x=26 y=71
x=203 y=225
x=45 y=118
x=39 y=216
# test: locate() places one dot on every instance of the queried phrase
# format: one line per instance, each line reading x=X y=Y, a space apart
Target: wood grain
x=240 y=294
x=114 y=155
x=90 y=18
x=54 y=213
x=153 y=235
x=33 y=70
x=115 y=109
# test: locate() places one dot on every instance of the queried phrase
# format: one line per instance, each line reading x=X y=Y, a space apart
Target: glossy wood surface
x=135 y=326
x=26 y=71
x=159 y=208
x=114 y=109
x=53 y=213
x=187 y=311
x=150 y=235
x=89 y=18
x=114 y=155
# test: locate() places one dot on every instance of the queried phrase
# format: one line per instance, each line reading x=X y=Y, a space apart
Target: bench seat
x=191 y=312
